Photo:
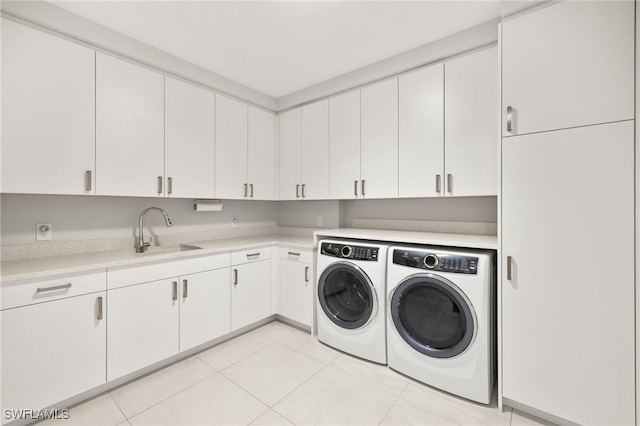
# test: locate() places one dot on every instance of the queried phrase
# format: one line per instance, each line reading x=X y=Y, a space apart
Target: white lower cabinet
x=205 y=311
x=53 y=349
x=250 y=286
x=296 y=285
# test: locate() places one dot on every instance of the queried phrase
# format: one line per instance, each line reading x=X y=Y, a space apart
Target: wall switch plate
x=319 y=220
x=44 y=232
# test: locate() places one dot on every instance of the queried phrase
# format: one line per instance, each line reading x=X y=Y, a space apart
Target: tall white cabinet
x=344 y=146
x=568 y=213
x=48 y=113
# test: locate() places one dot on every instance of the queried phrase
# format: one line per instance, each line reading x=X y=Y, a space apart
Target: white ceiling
x=280 y=47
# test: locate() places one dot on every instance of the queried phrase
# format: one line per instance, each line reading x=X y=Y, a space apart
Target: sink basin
x=168 y=249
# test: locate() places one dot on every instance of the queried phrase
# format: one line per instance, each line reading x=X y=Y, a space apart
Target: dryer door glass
x=346 y=295
x=433 y=316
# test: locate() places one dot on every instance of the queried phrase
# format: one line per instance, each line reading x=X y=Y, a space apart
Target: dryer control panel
x=442 y=262
x=350 y=251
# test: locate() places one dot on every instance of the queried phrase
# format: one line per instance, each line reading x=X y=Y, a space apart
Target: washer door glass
x=346 y=295
x=433 y=316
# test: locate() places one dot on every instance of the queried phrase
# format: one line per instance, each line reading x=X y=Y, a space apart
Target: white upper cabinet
x=129 y=129
x=189 y=140
x=231 y=148
x=261 y=151
x=344 y=146
x=379 y=142
x=48 y=113
x=421 y=132
x=304 y=153
x=470 y=125
x=570 y=64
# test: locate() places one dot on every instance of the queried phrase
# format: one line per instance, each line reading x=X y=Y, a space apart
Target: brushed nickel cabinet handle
x=53 y=288
x=87 y=180
x=297 y=191
x=509 y=271
x=355 y=188
x=449 y=183
x=251 y=187
x=185 y=288
x=293 y=253
x=175 y=290
x=303 y=185
x=509 y=119
x=256 y=254
x=363 y=193
x=245 y=190
x=235 y=277
x=170 y=185
x=438 y=184
x=306 y=274
x=99 y=303
x=159 y=184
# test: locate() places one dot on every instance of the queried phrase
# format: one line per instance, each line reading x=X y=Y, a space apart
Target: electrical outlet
x=234 y=222
x=44 y=232
x=319 y=220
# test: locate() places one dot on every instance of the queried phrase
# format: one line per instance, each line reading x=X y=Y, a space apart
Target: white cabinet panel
x=48 y=113
x=315 y=151
x=344 y=146
x=421 y=132
x=205 y=309
x=129 y=129
x=143 y=326
x=296 y=291
x=189 y=140
x=570 y=64
x=250 y=293
x=379 y=143
x=261 y=148
x=568 y=307
x=471 y=128
x=290 y=154
x=52 y=351
x=231 y=148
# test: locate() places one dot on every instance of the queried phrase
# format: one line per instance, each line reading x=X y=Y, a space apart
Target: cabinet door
x=315 y=151
x=129 y=129
x=344 y=146
x=231 y=148
x=570 y=64
x=52 y=351
x=189 y=148
x=296 y=291
x=471 y=128
x=421 y=132
x=250 y=293
x=379 y=148
x=568 y=309
x=205 y=307
x=261 y=174
x=290 y=155
x=143 y=326
x=48 y=113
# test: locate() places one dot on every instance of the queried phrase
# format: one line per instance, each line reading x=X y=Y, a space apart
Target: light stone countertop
x=49 y=266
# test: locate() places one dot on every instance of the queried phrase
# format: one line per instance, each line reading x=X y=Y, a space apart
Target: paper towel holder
x=203 y=205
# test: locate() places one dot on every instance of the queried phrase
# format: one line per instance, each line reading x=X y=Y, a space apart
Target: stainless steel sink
x=168 y=249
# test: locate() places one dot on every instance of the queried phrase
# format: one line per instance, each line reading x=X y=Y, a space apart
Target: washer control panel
x=349 y=251
x=442 y=262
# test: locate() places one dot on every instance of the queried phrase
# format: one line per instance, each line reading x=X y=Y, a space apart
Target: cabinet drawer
x=250 y=255
x=124 y=276
x=28 y=292
x=296 y=254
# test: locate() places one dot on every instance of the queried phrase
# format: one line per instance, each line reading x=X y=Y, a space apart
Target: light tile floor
x=278 y=375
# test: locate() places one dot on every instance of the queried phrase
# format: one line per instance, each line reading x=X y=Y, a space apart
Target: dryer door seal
x=433 y=316
x=347 y=296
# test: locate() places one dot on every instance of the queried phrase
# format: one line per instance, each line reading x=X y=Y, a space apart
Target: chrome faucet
x=142 y=246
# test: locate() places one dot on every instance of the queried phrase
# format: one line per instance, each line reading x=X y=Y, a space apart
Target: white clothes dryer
x=441 y=318
x=351 y=298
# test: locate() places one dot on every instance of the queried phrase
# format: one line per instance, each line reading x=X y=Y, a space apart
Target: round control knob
x=346 y=251
x=430 y=261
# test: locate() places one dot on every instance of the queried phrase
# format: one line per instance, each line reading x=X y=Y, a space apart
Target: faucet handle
x=147 y=243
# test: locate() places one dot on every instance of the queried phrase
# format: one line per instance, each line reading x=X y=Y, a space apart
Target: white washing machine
x=441 y=318
x=351 y=298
